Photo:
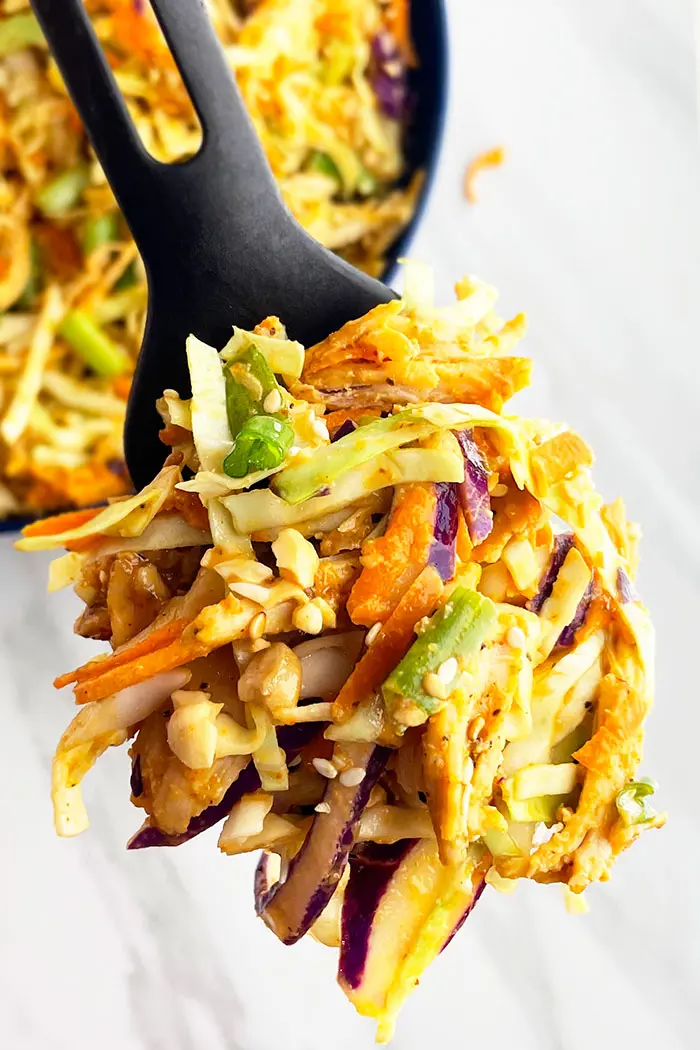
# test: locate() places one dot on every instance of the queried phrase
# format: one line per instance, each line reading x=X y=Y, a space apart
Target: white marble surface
x=594 y=228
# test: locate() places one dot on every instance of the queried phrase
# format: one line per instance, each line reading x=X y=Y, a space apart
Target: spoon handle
x=165 y=203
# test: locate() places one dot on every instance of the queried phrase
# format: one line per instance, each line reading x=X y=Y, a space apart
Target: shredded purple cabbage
x=443 y=548
x=563 y=543
x=370 y=875
x=294 y=904
x=625 y=590
x=291 y=739
x=136 y=780
x=389 y=77
x=474 y=490
x=568 y=635
x=348 y=427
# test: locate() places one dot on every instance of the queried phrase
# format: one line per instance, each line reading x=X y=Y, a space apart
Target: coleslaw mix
x=371 y=624
x=325 y=84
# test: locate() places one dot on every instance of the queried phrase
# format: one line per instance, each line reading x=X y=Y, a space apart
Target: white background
x=593 y=227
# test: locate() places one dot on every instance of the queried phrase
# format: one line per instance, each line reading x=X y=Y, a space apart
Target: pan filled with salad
x=372 y=625
x=328 y=84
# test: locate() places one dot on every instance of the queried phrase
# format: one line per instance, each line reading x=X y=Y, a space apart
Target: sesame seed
x=257 y=626
x=273 y=402
x=372 y=633
x=499 y=490
x=434 y=686
x=352 y=777
x=516 y=638
x=447 y=670
x=322 y=807
x=324 y=767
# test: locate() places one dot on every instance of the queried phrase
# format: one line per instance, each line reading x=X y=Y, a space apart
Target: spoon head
x=284 y=273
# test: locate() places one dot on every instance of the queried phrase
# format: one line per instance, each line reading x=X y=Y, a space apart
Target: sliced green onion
x=102 y=229
x=33 y=286
x=633 y=803
x=128 y=279
x=367 y=185
x=96 y=349
x=457 y=629
x=322 y=164
x=261 y=444
x=249 y=379
x=19 y=32
x=63 y=192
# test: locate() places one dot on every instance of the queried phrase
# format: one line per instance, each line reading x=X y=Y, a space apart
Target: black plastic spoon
x=219 y=245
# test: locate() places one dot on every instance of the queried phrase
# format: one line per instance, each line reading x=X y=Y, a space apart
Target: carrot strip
x=398 y=21
x=490 y=158
x=391 y=644
x=72 y=519
x=158 y=639
x=138 y=670
x=393 y=561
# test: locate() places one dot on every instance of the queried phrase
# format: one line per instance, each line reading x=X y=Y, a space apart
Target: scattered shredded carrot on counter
x=490 y=158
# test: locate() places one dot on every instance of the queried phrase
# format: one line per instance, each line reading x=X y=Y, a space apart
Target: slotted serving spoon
x=219 y=245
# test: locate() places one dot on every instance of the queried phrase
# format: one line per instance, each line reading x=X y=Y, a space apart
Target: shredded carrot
x=121 y=385
x=57 y=523
x=392 y=561
x=463 y=543
x=391 y=644
x=158 y=639
x=140 y=36
x=490 y=158
x=397 y=17
x=139 y=669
